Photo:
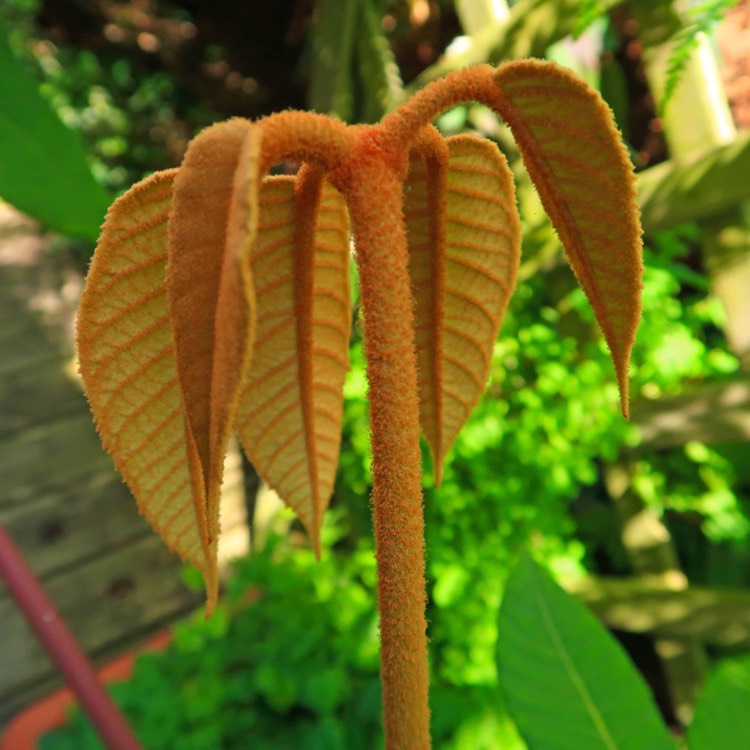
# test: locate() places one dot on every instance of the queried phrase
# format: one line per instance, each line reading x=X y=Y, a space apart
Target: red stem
x=63 y=649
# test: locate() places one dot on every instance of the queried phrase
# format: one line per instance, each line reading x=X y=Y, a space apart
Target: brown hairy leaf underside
x=464 y=249
x=126 y=358
x=218 y=299
x=289 y=419
x=574 y=155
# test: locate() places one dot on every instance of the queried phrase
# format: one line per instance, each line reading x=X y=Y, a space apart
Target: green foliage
x=43 y=165
x=525 y=470
x=289 y=660
x=700 y=19
x=130 y=115
x=721 y=716
x=568 y=684
x=588 y=12
x=354 y=74
x=129 y=119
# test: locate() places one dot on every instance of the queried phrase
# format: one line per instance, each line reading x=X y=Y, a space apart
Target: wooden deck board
x=75 y=521
x=117 y=594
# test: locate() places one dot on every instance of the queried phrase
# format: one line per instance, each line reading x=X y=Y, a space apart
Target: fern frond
x=588 y=12
x=701 y=20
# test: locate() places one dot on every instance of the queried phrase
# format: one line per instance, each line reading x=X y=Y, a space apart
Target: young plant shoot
x=218 y=301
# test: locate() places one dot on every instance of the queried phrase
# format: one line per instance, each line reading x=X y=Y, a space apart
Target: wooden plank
x=714 y=413
x=638 y=605
x=36 y=391
x=695 y=187
x=23 y=697
x=111 y=577
x=50 y=457
x=120 y=593
x=67 y=527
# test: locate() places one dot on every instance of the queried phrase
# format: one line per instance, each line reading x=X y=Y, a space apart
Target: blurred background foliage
x=290 y=659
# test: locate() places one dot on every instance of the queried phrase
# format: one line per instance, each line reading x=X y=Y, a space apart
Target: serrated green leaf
x=379 y=75
x=332 y=80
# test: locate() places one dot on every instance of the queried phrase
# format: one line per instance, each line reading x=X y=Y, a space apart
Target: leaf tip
x=438 y=465
x=624 y=399
x=212 y=590
x=315 y=540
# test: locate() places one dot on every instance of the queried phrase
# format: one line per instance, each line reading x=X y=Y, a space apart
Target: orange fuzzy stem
x=470 y=85
x=303 y=136
x=374 y=190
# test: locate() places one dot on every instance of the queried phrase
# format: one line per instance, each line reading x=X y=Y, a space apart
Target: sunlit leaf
x=125 y=350
x=464 y=248
x=568 y=684
x=573 y=152
x=721 y=715
x=43 y=167
x=289 y=420
x=211 y=227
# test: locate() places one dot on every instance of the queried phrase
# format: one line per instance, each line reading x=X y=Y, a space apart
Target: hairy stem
x=374 y=190
x=471 y=85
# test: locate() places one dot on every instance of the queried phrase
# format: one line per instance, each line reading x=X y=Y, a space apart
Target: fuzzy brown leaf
x=576 y=158
x=126 y=359
x=289 y=419
x=464 y=249
x=211 y=228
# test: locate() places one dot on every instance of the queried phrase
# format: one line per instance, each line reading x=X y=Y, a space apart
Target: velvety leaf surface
x=722 y=719
x=568 y=684
x=574 y=155
x=289 y=419
x=464 y=249
x=211 y=226
x=125 y=350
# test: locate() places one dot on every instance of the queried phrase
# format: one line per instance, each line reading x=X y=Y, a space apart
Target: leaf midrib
x=575 y=677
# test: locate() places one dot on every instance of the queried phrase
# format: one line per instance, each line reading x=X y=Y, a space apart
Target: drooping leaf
x=721 y=716
x=464 y=248
x=289 y=419
x=574 y=155
x=568 y=684
x=43 y=168
x=126 y=359
x=211 y=228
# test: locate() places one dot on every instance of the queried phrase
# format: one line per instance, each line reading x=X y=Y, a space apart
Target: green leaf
x=588 y=11
x=721 y=716
x=332 y=82
x=701 y=19
x=43 y=168
x=568 y=684
x=379 y=75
